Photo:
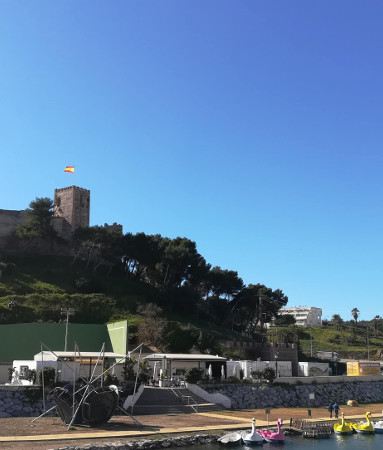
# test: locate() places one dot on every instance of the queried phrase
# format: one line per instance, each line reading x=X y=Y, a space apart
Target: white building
x=69 y=366
x=313 y=369
x=305 y=316
x=281 y=368
x=175 y=365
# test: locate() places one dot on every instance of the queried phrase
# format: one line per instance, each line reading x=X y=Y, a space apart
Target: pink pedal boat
x=274 y=437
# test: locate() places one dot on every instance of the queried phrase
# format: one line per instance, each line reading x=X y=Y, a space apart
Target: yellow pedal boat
x=343 y=427
x=366 y=427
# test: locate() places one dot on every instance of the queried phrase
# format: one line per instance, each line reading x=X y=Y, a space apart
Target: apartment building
x=305 y=316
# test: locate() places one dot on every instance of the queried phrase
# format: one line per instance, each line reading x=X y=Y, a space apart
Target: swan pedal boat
x=231 y=438
x=274 y=437
x=252 y=438
x=343 y=428
x=378 y=427
x=364 y=427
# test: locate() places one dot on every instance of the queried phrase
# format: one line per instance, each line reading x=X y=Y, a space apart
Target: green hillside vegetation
x=349 y=340
x=157 y=283
x=172 y=297
x=38 y=286
x=35 y=288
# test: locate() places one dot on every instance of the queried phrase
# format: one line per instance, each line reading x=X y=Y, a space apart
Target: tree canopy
x=176 y=276
x=38 y=221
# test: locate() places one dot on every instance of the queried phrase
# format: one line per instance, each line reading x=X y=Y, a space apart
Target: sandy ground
x=154 y=424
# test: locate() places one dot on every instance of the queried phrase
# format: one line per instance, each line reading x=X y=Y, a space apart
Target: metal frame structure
x=88 y=383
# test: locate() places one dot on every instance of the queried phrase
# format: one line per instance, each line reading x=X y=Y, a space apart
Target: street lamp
x=68 y=312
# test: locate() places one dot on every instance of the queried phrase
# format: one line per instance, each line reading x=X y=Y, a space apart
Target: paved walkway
x=119 y=434
x=242 y=419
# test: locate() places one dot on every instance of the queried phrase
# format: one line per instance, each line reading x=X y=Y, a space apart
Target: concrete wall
x=328 y=379
x=210 y=397
x=131 y=400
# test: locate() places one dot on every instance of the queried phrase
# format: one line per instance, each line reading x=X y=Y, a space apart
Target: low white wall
x=131 y=400
x=217 y=398
x=327 y=379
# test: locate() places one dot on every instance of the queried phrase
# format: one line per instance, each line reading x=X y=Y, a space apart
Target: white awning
x=184 y=357
x=54 y=356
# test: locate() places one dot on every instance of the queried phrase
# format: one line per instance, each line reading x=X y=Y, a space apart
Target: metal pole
x=42 y=375
x=368 y=345
x=44 y=413
x=276 y=365
x=135 y=383
x=66 y=329
x=74 y=391
x=103 y=365
x=311 y=344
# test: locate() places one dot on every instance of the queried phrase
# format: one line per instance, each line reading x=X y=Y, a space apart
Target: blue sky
x=251 y=127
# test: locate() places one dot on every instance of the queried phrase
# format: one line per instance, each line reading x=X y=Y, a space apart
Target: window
x=23 y=375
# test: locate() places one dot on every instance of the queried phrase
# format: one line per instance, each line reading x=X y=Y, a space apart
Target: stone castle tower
x=71 y=210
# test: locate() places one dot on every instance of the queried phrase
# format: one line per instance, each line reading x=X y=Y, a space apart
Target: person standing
x=330 y=409
x=335 y=407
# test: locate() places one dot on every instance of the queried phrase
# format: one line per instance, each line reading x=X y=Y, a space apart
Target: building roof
x=185 y=356
x=299 y=308
x=54 y=356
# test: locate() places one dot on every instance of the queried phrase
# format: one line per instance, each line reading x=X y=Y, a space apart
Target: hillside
x=348 y=340
x=35 y=288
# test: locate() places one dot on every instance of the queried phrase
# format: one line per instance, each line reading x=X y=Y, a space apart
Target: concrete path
x=243 y=418
x=119 y=434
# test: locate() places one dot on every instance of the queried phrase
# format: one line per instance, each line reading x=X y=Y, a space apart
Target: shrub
x=269 y=374
x=49 y=376
x=233 y=379
x=10 y=373
x=193 y=375
x=257 y=374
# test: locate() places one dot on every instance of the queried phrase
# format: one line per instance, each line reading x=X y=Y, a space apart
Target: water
x=353 y=442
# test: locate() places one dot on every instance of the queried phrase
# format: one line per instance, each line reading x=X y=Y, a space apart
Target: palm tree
x=355 y=314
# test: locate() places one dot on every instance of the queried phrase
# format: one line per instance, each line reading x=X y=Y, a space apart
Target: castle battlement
x=71 y=211
x=73 y=187
x=72 y=203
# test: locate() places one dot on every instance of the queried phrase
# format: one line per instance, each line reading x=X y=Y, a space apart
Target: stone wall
x=9 y=221
x=265 y=396
x=21 y=402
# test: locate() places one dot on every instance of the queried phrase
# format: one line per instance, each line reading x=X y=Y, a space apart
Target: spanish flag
x=69 y=169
